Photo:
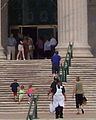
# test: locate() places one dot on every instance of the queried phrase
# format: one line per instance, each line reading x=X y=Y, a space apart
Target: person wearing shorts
x=14 y=87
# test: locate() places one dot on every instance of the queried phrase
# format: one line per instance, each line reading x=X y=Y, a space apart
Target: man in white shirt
x=11 y=44
x=47 y=49
x=53 y=44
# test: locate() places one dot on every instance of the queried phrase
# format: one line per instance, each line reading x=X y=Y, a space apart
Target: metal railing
x=32 y=112
x=64 y=69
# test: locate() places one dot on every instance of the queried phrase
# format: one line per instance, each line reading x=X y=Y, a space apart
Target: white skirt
x=20 y=47
x=58 y=100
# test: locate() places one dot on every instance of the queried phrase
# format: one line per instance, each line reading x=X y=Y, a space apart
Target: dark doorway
x=14 y=31
x=32 y=32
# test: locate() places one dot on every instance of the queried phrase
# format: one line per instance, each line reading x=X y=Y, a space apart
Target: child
x=30 y=92
x=21 y=93
x=14 y=87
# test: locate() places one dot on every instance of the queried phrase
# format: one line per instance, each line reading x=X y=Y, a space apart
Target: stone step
x=44 y=105
x=34 y=71
x=49 y=116
x=40 y=108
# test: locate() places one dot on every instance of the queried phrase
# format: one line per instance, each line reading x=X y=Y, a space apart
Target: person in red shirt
x=30 y=91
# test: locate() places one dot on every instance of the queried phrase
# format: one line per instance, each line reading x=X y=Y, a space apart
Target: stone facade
x=76 y=23
x=73 y=26
x=92 y=25
x=4 y=27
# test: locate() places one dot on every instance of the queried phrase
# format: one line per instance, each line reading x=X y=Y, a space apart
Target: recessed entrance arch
x=33 y=13
x=33 y=17
x=62 y=13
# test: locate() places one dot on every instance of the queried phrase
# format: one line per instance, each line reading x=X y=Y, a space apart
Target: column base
x=82 y=52
x=77 y=52
x=2 y=55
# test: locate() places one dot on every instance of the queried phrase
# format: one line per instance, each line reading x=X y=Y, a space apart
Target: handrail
x=32 y=114
x=64 y=69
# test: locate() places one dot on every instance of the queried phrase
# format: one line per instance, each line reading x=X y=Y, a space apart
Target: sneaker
x=28 y=102
x=77 y=113
x=61 y=117
x=82 y=111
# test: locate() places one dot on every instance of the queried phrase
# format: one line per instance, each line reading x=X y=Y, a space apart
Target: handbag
x=84 y=100
x=51 y=107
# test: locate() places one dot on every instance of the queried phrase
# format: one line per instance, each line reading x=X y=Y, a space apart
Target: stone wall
x=4 y=22
x=92 y=25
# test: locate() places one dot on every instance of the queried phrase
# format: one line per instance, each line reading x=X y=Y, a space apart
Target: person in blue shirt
x=55 y=60
x=14 y=87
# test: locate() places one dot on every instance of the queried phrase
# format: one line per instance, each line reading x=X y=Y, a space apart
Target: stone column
x=3 y=30
x=72 y=26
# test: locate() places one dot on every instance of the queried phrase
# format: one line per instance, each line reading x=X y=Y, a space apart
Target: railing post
x=71 y=50
x=35 y=104
x=69 y=53
x=63 y=79
x=33 y=115
x=65 y=69
x=28 y=116
x=65 y=75
x=67 y=66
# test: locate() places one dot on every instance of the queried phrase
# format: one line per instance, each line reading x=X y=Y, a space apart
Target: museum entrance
x=35 y=32
x=34 y=18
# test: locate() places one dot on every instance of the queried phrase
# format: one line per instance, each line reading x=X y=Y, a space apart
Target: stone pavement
x=49 y=116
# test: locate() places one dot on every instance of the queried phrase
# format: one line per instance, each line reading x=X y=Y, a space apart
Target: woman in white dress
x=20 y=50
x=58 y=100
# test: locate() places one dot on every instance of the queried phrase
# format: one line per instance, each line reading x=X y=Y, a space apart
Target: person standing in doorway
x=11 y=44
x=26 y=47
x=78 y=92
x=20 y=53
x=53 y=44
x=47 y=49
x=31 y=48
x=40 y=48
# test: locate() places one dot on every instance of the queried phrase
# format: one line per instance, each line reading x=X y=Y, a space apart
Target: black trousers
x=59 y=112
x=55 y=69
x=52 y=50
x=79 y=100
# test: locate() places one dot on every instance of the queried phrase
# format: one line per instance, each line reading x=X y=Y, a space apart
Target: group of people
x=45 y=47
x=20 y=48
x=57 y=90
x=49 y=47
x=19 y=91
x=23 y=47
x=58 y=96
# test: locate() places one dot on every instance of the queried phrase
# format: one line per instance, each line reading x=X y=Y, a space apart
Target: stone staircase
x=85 y=68
x=38 y=72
